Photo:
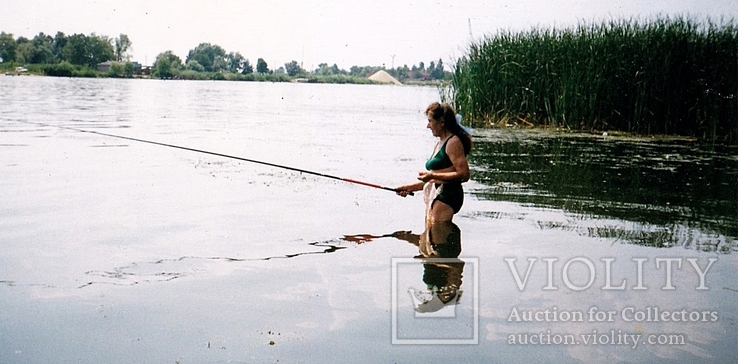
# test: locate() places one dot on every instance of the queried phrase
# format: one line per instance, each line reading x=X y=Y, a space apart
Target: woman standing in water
x=447 y=168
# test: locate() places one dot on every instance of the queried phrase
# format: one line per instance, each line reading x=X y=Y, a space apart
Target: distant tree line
x=80 y=54
x=77 y=49
x=434 y=72
x=211 y=58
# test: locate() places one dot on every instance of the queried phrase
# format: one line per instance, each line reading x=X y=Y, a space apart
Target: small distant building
x=105 y=66
x=139 y=69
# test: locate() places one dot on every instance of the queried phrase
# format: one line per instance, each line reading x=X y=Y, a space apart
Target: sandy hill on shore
x=384 y=77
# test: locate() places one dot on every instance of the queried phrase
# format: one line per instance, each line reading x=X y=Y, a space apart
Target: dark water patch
x=654 y=236
x=655 y=183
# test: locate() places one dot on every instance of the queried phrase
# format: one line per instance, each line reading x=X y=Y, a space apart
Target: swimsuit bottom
x=452 y=194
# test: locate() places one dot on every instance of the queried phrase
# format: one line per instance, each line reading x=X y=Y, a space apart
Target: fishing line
x=220 y=155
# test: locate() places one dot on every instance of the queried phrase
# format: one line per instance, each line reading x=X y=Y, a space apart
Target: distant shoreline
x=36 y=71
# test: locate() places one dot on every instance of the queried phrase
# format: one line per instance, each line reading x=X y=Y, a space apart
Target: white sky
x=345 y=32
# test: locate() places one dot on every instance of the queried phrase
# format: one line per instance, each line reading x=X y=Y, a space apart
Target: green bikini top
x=440 y=160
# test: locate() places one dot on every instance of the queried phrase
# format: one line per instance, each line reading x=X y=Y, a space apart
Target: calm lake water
x=569 y=247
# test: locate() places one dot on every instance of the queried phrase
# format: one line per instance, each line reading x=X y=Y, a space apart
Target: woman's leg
x=440 y=211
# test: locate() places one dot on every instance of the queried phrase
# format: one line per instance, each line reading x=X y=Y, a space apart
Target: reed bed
x=667 y=75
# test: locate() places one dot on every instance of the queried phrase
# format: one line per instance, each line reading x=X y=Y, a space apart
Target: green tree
x=436 y=70
x=356 y=71
x=60 y=40
x=23 y=49
x=337 y=71
x=116 y=70
x=122 y=45
x=88 y=50
x=235 y=61
x=293 y=69
x=61 y=69
x=163 y=69
x=42 y=49
x=247 y=68
x=128 y=69
x=101 y=49
x=365 y=71
x=325 y=70
x=7 y=47
x=211 y=57
x=121 y=70
x=194 y=65
x=220 y=65
x=24 y=52
x=261 y=66
x=166 y=64
x=75 y=51
x=173 y=59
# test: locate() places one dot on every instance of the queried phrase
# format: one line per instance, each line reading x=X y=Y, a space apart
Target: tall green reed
x=667 y=75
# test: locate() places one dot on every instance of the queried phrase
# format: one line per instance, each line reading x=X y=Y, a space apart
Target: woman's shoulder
x=460 y=142
x=454 y=143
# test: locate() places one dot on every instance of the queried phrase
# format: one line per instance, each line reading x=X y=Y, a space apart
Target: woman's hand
x=426 y=176
x=406 y=190
x=402 y=193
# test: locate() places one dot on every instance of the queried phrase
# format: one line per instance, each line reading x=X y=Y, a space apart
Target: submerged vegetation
x=652 y=193
x=663 y=76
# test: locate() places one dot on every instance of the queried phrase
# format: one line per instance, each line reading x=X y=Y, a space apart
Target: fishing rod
x=349 y=180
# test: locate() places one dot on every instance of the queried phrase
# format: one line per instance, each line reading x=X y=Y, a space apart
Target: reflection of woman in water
x=439 y=247
x=441 y=239
x=447 y=168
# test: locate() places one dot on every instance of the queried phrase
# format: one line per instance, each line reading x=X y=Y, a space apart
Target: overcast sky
x=344 y=32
